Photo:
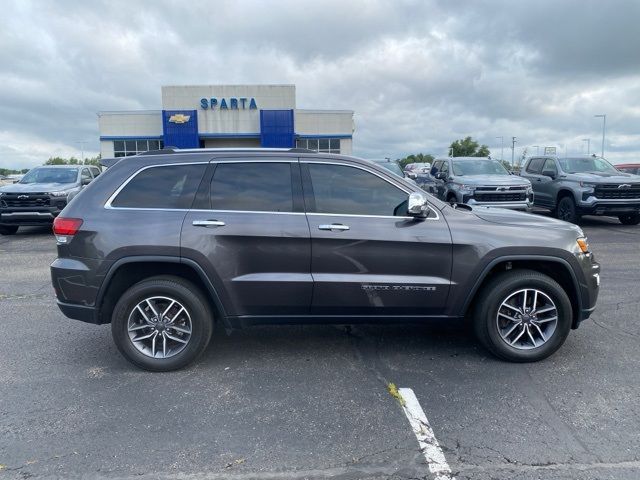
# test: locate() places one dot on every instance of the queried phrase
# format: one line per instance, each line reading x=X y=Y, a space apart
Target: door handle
x=333 y=227
x=208 y=223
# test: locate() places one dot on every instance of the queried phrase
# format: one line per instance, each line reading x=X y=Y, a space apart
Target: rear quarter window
x=171 y=186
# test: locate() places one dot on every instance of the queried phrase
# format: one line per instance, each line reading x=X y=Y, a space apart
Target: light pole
x=537 y=149
x=501 y=148
x=513 y=150
x=604 y=125
x=81 y=142
x=588 y=140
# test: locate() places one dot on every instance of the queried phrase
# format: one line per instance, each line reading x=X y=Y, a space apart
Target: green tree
x=57 y=161
x=468 y=147
x=415 y=158
x=73 y=161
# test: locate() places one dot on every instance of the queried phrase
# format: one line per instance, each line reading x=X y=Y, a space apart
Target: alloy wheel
x=159 y=327
x=527 y=319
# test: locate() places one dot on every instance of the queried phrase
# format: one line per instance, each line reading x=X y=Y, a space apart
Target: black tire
x=629 y=218
x=8 y=229
x=567 y=211
x=189 y=296
x=496 y=291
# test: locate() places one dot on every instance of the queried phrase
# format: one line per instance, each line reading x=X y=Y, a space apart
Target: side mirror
x=441 y=175
x=85 y=181
x=549 y=173
x=417 y=205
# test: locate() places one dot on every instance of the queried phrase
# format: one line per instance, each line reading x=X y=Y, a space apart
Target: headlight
x=1 y=193
x=59 y=194
x=583 y=245
x=465 y=187
x=588 y=185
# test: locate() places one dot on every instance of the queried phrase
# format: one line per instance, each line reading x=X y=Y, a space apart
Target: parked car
x=588 y=185
x=480 y=181
x=412 y=170
x=41 y=195
x=391 y=165
x=633 y=168
x=163 y=245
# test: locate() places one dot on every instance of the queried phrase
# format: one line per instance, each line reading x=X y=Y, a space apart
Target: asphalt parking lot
x=312 y=402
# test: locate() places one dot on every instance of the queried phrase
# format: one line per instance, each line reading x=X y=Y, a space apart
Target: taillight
x=65 y=227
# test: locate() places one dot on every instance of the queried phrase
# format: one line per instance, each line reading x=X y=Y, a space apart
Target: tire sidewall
x=569 y=203
x=201 y=323
x=504 y=289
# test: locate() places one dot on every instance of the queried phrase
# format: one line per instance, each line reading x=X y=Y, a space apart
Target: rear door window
x=252 y=186
x=535 y=165
x=168 y=187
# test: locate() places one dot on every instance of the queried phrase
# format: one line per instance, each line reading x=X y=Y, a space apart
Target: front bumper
x=598 y=206
x=589 y=287
x=29 y=215
x=525 y=205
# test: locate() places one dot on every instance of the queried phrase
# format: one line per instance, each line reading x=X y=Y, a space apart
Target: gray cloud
x=418 y=74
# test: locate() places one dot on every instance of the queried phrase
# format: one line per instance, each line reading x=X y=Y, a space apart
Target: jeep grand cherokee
x=163 y=244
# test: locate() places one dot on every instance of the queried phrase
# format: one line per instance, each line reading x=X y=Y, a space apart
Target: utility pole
x=501 y=148
x=81 y=142
x=513 y=151
x=604 y=124
x=588 y=140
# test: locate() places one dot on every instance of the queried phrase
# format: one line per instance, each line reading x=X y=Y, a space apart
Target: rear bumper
x=79 y=312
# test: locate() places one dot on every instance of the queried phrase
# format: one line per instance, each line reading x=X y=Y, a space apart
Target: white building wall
x=146 y=123
x=228 y=121
x=324 y=122
x=106 y=148
x=346 y=146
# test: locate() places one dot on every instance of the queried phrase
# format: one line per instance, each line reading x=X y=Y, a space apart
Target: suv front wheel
x=8 y=229
x=523 y=316
x=629 y=219
x=566 y=210
x=162 y=323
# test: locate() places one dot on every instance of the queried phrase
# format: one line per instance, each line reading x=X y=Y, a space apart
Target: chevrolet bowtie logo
x=179 y=118
x=624 y=185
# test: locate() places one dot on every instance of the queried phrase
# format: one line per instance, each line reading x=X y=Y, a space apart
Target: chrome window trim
x=399 y=187
x=108 y=205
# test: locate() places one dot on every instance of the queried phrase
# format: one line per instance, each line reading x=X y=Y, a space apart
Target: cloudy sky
x=418 y=74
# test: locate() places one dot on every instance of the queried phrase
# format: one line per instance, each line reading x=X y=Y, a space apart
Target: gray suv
x=163 y=244
x=480 y=181
x=41 y=195
x=589 y=185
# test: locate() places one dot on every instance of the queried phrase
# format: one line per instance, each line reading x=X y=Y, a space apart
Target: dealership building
x=226 y=116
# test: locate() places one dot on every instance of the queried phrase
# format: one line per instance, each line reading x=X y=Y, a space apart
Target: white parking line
x=429 y=446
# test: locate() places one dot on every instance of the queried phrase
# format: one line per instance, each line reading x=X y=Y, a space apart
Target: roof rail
x=166 y=150
x=109 y=162
x=160 y=152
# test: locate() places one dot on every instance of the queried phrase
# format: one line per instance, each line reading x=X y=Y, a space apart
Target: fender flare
x=509 y=258
x=163 y=259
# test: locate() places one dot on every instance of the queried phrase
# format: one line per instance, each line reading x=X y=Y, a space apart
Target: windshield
x=478 y=167
x=393 y=167
x=582 y=165
x=51 y=175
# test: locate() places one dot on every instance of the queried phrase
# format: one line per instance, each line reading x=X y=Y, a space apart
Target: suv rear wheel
x=567 y=211
x=162 y=323
x=630 y=219
x=523 y=316
x=8 y=229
